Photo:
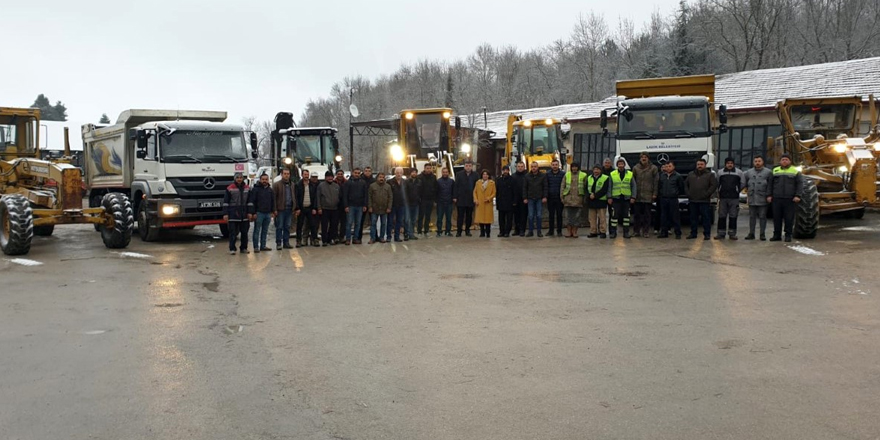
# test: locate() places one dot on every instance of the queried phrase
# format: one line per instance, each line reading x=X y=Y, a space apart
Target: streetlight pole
x=350 y=130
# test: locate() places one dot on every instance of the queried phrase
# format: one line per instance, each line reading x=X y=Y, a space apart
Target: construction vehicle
x=314 y=149
x=36 y=195
x=426 y=136
x=671 y=119
x=534 y=140
x=175 y=166
x=839 y=168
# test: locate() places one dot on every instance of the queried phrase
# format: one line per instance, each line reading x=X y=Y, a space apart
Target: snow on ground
x=805 y=250
x=25 y=262
x=134 y=255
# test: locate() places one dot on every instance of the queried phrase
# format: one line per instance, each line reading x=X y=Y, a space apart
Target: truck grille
x=195 y=187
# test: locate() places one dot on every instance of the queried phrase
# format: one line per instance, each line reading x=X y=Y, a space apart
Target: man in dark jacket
x=412 y=203
x=700 y=186
x=669 y=189
x=236 y=205
x=328 y=202
x=521 y=209
x=787 y=189
x=445 y=194
x=427 y=196
x=285 y=204
x=355 y=206
x=554 y=198
x=397 y=218
x=535 y=195
x=368 y=179
x=505 y=201
x=262 y=210
x=341 y=218
x=464 y=198
x=646 y=175
x=730 y=184
x=306 y=210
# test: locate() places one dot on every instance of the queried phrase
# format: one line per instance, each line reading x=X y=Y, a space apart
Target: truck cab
x=427 y=136
x=534 y=140
x=314 y=149
x=174 y=165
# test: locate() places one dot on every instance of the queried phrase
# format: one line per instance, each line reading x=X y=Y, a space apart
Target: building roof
x=753 y=90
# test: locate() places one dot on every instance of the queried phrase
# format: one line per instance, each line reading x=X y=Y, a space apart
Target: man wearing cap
x=787 y=188
x=328 y=201
x=622 y=187
x=464 y=198
x=236 y=205
x=730 y=184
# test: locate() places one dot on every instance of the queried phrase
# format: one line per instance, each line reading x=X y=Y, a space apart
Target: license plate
x=209 y=204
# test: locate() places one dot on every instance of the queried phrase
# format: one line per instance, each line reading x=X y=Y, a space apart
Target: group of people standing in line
x=396 y=205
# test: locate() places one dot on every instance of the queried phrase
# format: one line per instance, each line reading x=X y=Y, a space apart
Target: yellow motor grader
x=839 y=167
x=36 y=195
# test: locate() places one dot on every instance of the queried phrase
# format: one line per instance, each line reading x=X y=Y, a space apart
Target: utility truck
x=173 y=164
x=314 y=149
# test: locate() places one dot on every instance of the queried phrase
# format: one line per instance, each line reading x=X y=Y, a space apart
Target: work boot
x=530 y=234
x=603 y=236
x=415 y=238
x=763 y=237
x=591 y=235
x=733 y=237
x=719 y=237
x=612 y=235
x=540 y=234
x=692 y=236
x=287 y=246
x=550 y=233
x=626 y=233
x=775 y=238
x=257 y=250
x=278 y=247
x=559 y=232
x=750 y=237
x=788 y=238
x=231 y=252
x=468 y=233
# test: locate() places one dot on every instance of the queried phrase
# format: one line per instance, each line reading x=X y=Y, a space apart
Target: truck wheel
x=143 y=225
x=118 y=206
x=44 y=231
x=16 y=224
x=806 y=220
x=224 y=230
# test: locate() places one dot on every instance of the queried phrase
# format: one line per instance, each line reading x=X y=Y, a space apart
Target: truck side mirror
x=722 y=114
x=141 y=139
x=141 y=153
x=132 y=134
x=255 y=146
x=603 y=122
x=458 y=122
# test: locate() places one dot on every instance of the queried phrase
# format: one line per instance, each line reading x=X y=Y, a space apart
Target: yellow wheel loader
x=36 y=195
x=839 y=167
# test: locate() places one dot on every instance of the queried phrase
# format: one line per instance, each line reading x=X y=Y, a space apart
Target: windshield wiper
x=227 y=157
x=684 y=132
x=640 y=133
x=183 y=157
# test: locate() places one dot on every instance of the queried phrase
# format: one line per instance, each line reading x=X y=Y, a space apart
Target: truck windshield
x=314 y=148
x=540 y=139
x=203 y=146
x=425 y=134
x=7 y=137
x=664 y=123
x=837 y=117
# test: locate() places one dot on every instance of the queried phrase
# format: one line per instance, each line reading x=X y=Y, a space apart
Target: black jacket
x=505 y=193
x=554 y=183
x=427 y=187
x=730 y=183
x=464 y=188
x=445 y=189
x=535 y=186
x=700 y=186
x=411 y=186
x=671 y=186
x=355 y=192
x=261 y=200
x=236 y=202
x=397 y=193
x=786 y=186
x=519 y=181
x=313 y=194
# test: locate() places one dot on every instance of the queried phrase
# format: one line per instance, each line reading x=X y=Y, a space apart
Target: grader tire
x=44 y=231
x=806 y=219
x=119 y=206
x=16 y=224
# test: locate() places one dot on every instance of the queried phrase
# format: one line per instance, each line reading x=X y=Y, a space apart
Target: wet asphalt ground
x=444 y=338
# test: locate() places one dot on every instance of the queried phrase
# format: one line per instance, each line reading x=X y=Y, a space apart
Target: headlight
x=338 y=158
x=799 y=168
x=446 y=115
x=409 y=115
x=840 y=148
x=465 y=148
x=396 y=153
x=877 y=147
x=548 y=122
x=288 y=161
x=169 y=210
x=843 y=169
x=527 y=123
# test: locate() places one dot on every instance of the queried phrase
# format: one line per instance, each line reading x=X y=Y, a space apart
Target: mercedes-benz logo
x=209 y=183
x=662 y=158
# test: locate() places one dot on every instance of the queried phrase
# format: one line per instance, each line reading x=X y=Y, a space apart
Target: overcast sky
x=253 y=57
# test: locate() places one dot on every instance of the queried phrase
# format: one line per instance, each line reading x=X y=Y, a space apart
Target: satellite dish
x=353 y=109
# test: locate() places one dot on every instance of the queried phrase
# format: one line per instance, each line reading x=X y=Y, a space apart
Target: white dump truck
x=174 y=165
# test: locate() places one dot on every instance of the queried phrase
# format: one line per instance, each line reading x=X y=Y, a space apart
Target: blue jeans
x=396 y=221
x=377 y=234
x=536 y=211
x=444 y=210
x=412 y=214
x=701 y=214
x=261 y=229
x=355 y=216
x=282 y=227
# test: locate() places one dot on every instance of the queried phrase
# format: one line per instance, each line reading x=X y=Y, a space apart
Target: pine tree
x=687 y=58
x=104 y=119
